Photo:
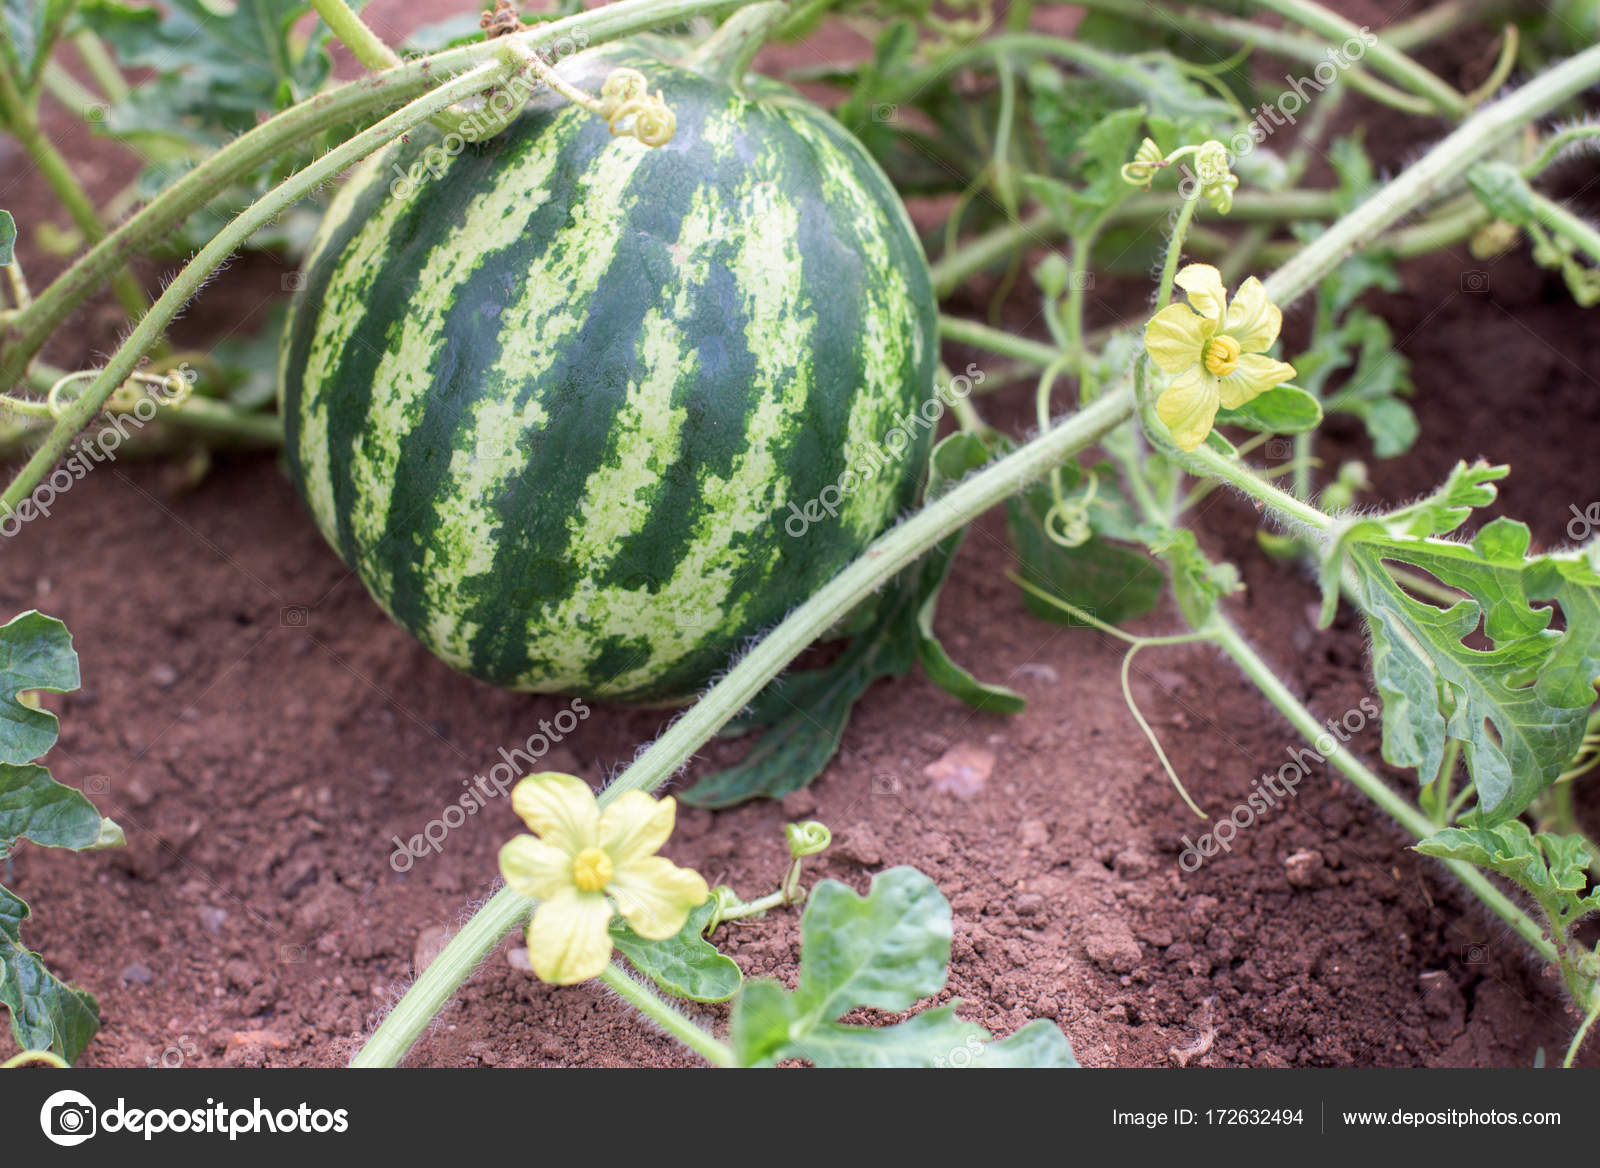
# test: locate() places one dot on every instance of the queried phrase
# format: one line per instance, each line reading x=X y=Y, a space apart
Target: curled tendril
x=1067 y=521
x=168 y=389
x=625 y=95
x=654 y=123
x=1146 y=161
x=807 y=839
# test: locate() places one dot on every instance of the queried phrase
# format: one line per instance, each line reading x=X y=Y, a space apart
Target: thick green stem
x=23 y=335
x=728 y=52
x=1563 y=222
x=1041 y=228
x=1400 y=810
x=458 y=960
x=151 y=327
x=1383 y=57
x=23 y=122
x=1203 y=460
x=1486 y=130
x=715 y=1052
x=993 y=340
x=367 y=46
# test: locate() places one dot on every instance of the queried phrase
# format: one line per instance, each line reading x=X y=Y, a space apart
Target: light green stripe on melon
x=403 y=379
x=338 y=325
x=890 y=342
x=489 y=452
x=702 y=591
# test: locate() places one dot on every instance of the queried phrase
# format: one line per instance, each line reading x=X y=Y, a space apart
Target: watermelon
x=585 y=415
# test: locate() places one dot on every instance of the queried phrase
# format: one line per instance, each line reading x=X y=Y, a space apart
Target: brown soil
x=262 y=732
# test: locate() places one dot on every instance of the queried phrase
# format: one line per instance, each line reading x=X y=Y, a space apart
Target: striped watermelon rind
x=555 y=407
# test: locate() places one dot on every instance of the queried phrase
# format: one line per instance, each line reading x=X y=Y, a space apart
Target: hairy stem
x=664 y=1015
x=23 y=122
x=150 y=328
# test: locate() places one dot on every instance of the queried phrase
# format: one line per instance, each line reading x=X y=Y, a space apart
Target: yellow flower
x=584 y=864
x=1217 y=354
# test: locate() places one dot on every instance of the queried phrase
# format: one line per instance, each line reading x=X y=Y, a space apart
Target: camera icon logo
x=294 y=616
x=68 y=1118
x=1474 y=281
x=1475 y=955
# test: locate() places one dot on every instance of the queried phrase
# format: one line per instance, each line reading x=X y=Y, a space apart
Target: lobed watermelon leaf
x=886 y=951
x=36 y=654
x=214 y=71
x=1519 y=707
x=1552 y=868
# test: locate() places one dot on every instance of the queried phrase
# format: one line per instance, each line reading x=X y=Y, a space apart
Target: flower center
x=1222 y=356
x=591 y=869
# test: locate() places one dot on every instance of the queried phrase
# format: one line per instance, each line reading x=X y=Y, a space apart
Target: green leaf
x=8 y=239
x=28 y=33
x=1284 y=409
x=806 y=711
x=887 y=951
x=1352 y=166
x=35 y=654
x=35 y=807
x=214 y=70
x=685 y=965
x=46 y=1013
x=1553 y=868
x=1197 y=583
x=1104 y=576
x=1518 y=708
x=1501 y=188
x=952 y=459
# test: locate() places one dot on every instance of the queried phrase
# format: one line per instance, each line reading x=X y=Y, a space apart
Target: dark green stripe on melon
x=554 y=405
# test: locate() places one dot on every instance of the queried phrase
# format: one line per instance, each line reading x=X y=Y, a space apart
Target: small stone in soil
x=1302 y=868
x=962 y=770
x=213 y=918
x=799 y=804
x=137 y=973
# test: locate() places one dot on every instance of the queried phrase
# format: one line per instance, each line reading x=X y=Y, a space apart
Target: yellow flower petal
x=1189 y=406
x=568 y=937
x=654 y=895
x=1175 y=338
x=559 y=808
x=636 y=826
x=1253 y=320
x=1203 y=283
x=536 y=869
x=1254 y=375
